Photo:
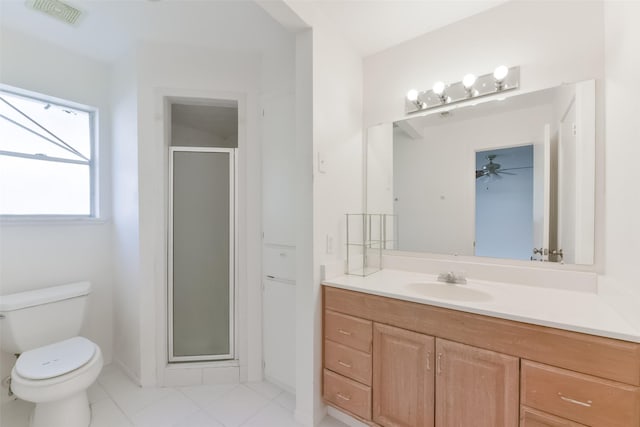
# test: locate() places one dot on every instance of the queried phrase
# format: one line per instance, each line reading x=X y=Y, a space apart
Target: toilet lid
x=55 y=359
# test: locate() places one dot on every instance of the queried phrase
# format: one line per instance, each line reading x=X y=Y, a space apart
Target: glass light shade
x=438 y=88
x=468 y=81
x=412 y=95
x=500 y=73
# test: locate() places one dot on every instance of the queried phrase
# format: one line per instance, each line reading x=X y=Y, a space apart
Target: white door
x=201 y=254
x=279 y=329
x=541 y=194
x=279 y=239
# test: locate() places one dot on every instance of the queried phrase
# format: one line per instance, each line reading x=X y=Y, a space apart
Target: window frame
x=93 y=164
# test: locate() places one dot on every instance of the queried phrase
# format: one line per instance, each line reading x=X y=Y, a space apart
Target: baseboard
x=347 y=419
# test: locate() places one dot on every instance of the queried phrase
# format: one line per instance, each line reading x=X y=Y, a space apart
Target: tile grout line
x=269 y=401
x=200 y=408
x=114 y=402
x=137 y=387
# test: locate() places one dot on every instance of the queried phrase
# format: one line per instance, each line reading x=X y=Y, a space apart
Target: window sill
x=21 y=221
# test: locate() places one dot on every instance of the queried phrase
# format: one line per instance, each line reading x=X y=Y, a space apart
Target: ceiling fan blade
x=510 y=169
x=505 y=173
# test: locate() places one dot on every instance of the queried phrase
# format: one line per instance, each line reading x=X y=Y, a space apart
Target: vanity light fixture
x=500 y=74
x=412 y=96
x=468 y=81
x=501 y=79
x=439 y=89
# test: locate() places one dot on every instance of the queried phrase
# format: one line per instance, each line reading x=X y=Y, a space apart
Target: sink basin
x=448 y=291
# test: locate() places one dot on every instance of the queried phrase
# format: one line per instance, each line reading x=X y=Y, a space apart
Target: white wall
x=236 y=65
x=192 y=137
x=186 y=71
x=622 y=241
x=548 y=50
x=34 y=255
x=124 y=100
x=552 y=42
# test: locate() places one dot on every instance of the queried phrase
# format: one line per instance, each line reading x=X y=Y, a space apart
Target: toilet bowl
x=55 y=366
x=56 y=378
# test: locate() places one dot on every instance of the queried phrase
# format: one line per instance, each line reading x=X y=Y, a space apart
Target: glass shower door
x=201 y=246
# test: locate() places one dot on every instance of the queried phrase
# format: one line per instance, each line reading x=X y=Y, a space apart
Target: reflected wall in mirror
x=510 y=178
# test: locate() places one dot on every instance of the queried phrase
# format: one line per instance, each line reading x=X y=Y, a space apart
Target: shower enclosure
x=202 y=201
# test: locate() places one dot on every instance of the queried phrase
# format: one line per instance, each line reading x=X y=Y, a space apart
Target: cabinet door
x=533 y=418
x=475 y=387
x=403 y=377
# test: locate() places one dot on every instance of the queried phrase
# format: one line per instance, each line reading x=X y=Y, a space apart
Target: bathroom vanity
x=399 y=351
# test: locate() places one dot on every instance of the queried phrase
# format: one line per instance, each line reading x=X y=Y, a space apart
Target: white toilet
x=55 y=366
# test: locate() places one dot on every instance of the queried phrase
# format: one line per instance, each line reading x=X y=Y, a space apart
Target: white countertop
x=558 y=308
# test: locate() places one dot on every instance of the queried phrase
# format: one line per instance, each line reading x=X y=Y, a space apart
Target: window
x=46 y=156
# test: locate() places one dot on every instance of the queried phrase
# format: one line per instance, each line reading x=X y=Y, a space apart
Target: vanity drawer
x=530 y=417
x=348 y=330
x=581 y=398
x=347 y=394
x=351 y=363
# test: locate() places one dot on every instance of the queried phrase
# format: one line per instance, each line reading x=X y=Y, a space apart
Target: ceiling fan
x=492 y=169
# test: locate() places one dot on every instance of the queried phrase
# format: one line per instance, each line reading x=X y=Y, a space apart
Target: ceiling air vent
x=57 y=9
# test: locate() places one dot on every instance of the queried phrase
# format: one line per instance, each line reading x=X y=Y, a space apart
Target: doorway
x=202 y=232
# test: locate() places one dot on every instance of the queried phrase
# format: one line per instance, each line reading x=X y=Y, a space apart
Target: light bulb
x=468 y=81
x=500 y=73
x=438 y=88
x=412 y=95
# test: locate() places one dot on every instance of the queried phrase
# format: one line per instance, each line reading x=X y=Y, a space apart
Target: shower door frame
x=233 y=237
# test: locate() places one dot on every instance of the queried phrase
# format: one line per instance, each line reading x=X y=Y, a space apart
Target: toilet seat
x=60 y=401
x=55 y=359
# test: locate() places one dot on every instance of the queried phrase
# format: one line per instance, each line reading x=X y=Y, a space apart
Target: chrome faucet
x=452 y=277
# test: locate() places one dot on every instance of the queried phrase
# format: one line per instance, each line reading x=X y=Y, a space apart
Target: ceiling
x=371 y=26
x=107 y=28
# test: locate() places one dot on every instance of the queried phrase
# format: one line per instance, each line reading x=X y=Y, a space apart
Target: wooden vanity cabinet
x=347 y=363
x=403 y=367
x=530 y=417
x=581 y=398
x=395 y=363
x=475 y=387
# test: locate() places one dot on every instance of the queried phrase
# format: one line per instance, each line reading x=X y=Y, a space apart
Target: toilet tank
x=43 y=316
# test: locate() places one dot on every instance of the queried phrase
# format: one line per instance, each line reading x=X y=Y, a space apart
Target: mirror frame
x=598 y=185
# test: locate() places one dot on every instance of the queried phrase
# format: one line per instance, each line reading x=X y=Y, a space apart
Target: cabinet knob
x=343 y=332
x=439 y=363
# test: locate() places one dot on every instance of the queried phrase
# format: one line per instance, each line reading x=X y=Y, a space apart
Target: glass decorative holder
x=367 y=236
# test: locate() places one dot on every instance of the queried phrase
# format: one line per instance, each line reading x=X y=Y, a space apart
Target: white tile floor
x=117 y=402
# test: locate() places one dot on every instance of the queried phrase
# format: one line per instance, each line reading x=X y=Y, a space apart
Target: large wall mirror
x=510 y=178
